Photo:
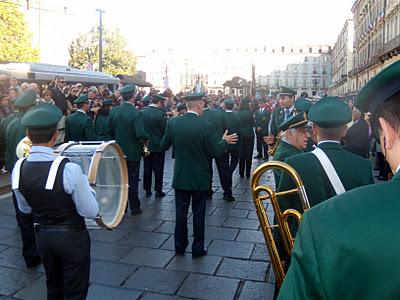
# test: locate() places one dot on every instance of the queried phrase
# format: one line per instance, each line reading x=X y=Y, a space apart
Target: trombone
x=261 y=193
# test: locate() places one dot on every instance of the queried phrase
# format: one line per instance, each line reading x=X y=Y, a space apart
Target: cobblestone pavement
x=137 y=260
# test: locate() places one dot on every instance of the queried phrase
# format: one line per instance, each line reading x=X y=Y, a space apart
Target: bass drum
x=104 y=165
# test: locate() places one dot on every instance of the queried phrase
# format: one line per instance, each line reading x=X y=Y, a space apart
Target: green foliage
x=15 y=39
x=116 y=58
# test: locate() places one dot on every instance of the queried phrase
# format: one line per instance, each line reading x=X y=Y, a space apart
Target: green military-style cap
x=229 y=101
x=158 y=97
x=195 y=96
x=382 y=86
x=26 y=99
x=302 y=104
x=82 y=98
x=299 y=120
x=330 y=112
x=128 y=88
x=284 y=91
x=42 y=116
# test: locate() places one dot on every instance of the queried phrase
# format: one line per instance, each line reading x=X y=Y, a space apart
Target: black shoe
x=258 y=156
x=179 y=253
x=198 y=255
x=160 y=194
x=229 y=198
x=148 y=193
x=210 y=194
x=33 y=262
x=136 y=212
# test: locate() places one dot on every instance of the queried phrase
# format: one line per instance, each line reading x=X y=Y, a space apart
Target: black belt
x=59 y=228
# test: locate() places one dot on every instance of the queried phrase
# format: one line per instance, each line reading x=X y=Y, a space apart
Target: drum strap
x=15 y=174
x=53 y=172
x=329 y=171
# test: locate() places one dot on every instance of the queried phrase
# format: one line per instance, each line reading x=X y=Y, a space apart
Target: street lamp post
x=100 y=39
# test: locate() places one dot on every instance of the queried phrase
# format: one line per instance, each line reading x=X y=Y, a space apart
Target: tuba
x=261 y=193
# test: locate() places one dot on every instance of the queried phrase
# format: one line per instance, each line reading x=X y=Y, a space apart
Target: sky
x=191 y=25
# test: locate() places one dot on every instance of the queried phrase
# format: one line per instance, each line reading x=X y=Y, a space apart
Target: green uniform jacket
x=79 y=127
x=14 y=134
x=125 y=125
x=278 y=116
x=284 y=151
x=100 y=124
x=217 y=119
x=348 y=247
x=232 y=123
x=194 y=145
x=353 y=171
x=155 y=122
x=262 y=119
x=246 y=123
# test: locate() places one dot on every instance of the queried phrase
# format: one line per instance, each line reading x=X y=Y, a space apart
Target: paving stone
x=231 y=249
x=143 y=224
x=5 y=232
x=3 y=247
x=156 y=280
x=241 y=223
x=211 y=220
x=101 y=292
x=212 y=232
x=243 y=269
x=239 y=191
x=220 y=203
x=8 y=210
x=257 y=290
x=170 y=244
x=13 y=280
x=252 y=215
x=151 y=296
x=208 y=287
x=13 y=240
x=204 y=265
x=163 y=206
x=260 y=252
x=158 y=215
x=231 y=212
x=148 y=257
x=35 y=291
x=144 y=239
x=12 y=257
x=245 y=205
x=166 y=227
x=251 y=236
x=110 y=273
x=108 y=251
x=8 y=222
x=111 y=236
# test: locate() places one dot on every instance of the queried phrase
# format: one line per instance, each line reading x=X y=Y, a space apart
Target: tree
x=15 y=38
x=117 y=59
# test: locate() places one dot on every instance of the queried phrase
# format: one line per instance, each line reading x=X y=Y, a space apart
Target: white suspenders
x=50 y=179
x=329 y=170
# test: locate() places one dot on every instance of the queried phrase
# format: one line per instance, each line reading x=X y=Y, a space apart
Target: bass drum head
x=109 y=174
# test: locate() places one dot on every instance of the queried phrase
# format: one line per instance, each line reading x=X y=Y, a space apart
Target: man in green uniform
x=338 y=170
x=262 y=117
x=347 y=247
x=302 y=104
x=78 y=126
x=100 y=123
x=155 y=122
x=195 y=143
x=15 y=132
x=217 y=118
x=125 y=125
x=295 y=134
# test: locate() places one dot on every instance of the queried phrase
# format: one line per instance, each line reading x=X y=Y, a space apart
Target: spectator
x=4 y=108
x=34 y=87
x=24 y=87
x=4 y=83
x=14 y=83
x=57 y=94
x=46 y=97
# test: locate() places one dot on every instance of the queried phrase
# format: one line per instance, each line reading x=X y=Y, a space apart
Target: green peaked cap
x=379 y=88
x=299 y=120
x=330 y=112
x=229 y=101
x=302 y=104
x=26 y=99
x=82 y=98
x=42 y=116
x=127 y=88
x=195 y=96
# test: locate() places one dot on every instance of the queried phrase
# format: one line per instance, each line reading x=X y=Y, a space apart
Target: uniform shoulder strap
x=329 y=171
x=16 y=173
x=53 y=172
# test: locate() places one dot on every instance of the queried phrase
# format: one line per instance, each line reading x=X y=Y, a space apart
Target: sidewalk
x=137 y=260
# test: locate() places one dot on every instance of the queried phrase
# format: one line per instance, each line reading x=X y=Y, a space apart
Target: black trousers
x=262 y=148
x=154 y=163
x=226 y=165
x=246 y=155
x=182 y=202
x=133 y=178
x=29 y=250
x=66 y=260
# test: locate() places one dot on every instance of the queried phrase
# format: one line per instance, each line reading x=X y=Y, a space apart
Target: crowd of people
x=200 y=128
